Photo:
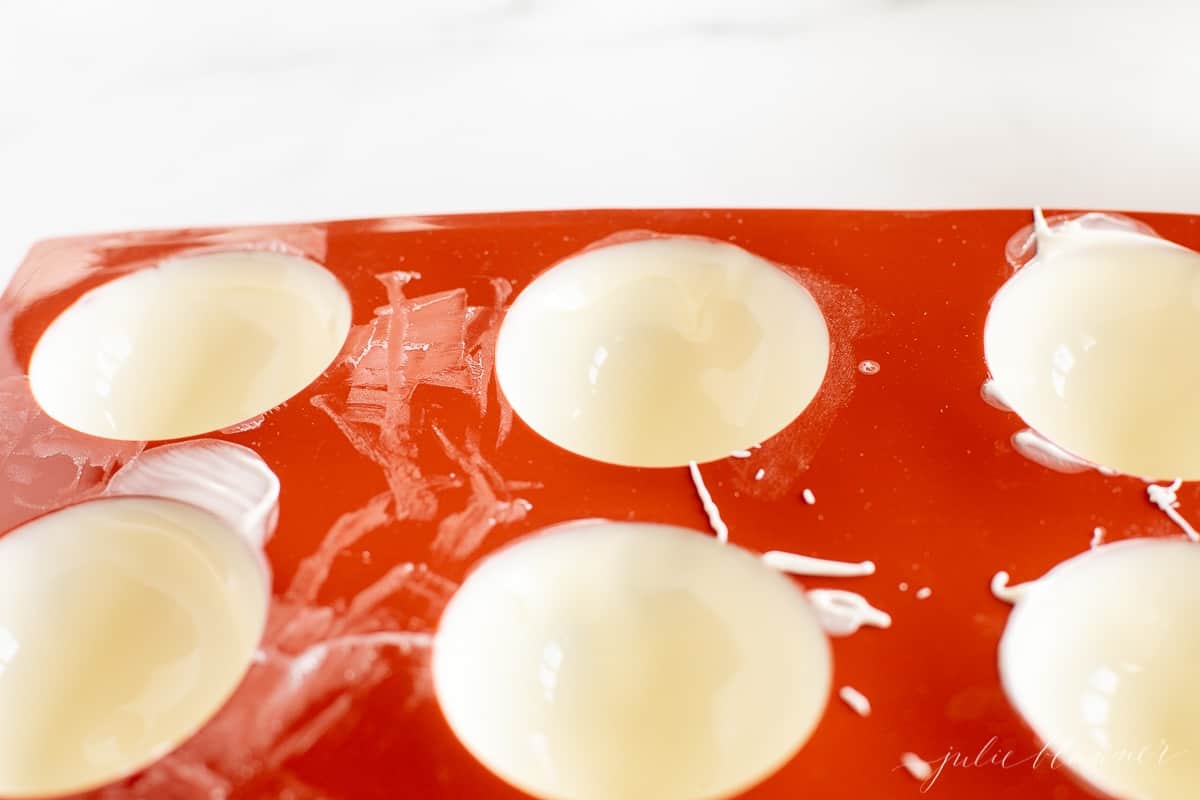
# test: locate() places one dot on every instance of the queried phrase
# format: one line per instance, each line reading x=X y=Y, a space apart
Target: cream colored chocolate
x=600 y=659
x=190 y=346
x=1093 y=344
x=125 y=623
x=661 y=352
x=1099 y=656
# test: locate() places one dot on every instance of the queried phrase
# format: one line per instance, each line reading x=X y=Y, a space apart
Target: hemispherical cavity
x=125 y=623
x=1099 y=657
x=190 y=346
x=602 y=659
x=1092 y=344
x=662 y=351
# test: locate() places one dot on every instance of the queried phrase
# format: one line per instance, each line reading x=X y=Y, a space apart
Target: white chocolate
x=659 y=352
x=1092 y=343
x=797 y=564
x=1099 y=656
x=842 y=613
x=857 y=701
x=711 y=510
x=604 y=659
x=916 y=766
x=125 y=623
x=228 y=480
x=190 y=346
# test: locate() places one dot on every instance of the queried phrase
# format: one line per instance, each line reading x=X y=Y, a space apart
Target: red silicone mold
x=399 y=473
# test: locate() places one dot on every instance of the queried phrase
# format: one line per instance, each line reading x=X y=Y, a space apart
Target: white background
x=149 y=113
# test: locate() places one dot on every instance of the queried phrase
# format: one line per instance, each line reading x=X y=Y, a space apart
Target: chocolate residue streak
x=406 y=344
x=790 y=452
x=400 y=224
x=483 y=327
x=350 y=527
x=246 y=425
x=45 y=465
x=491 y=503
x=9 y=365
x=433 y=340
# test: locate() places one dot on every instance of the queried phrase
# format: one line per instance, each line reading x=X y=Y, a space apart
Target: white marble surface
x=144 y=113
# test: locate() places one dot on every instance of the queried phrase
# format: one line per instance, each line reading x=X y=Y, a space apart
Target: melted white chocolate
x=638 y=661
x=125 y=623
x=711 y=510
x=1092 y=344
x=192 y=345
x=663 y=351
x=796 y=564
x=842 y=613
x=916 y=766
x=856 y=700
x=1099 y=655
